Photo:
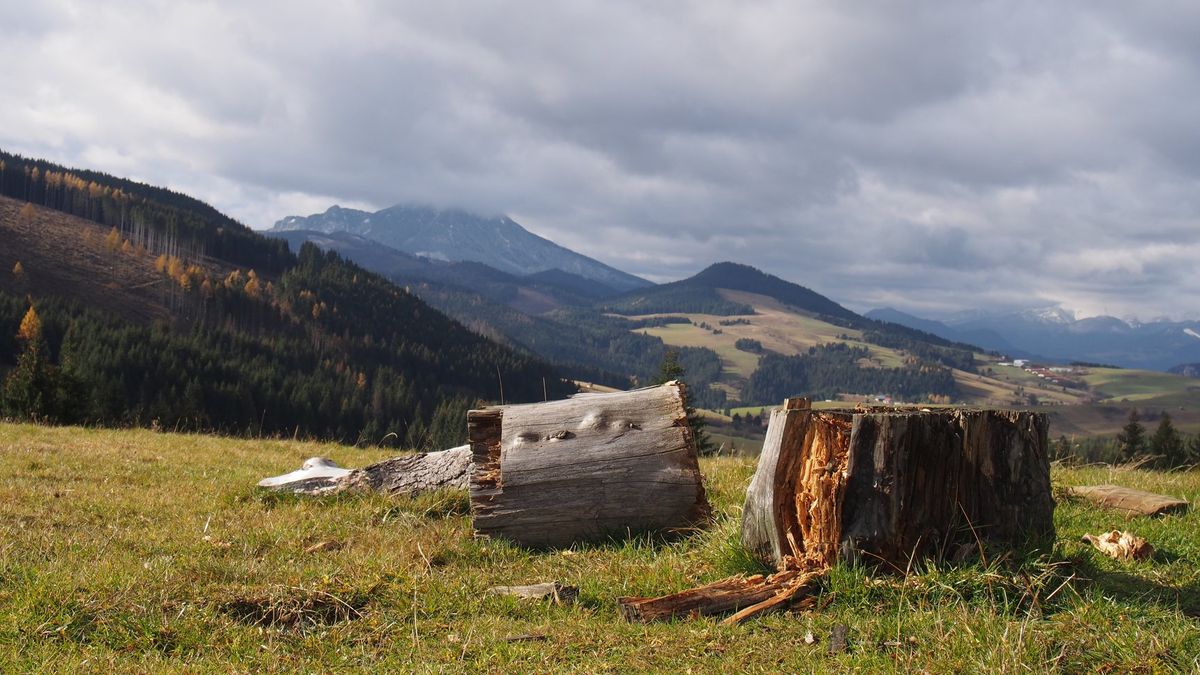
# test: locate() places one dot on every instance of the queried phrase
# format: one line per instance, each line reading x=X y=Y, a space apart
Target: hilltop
x=157 y=309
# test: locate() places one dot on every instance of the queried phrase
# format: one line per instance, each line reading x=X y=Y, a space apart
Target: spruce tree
x=1132 y=439
x=1167 y=444
x=670 y=369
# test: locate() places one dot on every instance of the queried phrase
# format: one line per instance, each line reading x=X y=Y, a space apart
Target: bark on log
x=1135 y=502
x=595 y=465
x=883 y=485
x=409 y=475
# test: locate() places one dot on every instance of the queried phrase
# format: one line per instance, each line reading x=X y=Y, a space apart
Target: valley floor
x=142 y=551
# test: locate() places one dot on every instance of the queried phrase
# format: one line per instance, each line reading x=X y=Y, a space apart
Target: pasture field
x=151 y=552
x=1141 y=385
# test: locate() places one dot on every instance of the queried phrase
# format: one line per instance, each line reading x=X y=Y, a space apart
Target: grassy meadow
x=143 y=551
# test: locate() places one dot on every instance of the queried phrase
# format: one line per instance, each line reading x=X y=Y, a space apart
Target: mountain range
x=458 y=235
x=1055 y=335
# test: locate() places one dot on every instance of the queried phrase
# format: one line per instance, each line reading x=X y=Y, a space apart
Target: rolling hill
x=157 y=309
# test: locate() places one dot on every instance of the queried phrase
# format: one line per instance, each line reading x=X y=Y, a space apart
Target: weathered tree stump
x=591 y=466
x=877 y=486
x=885 y=486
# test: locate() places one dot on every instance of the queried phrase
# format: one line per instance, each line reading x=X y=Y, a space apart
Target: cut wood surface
x=884 y=485
x=408 y=475
x=594 y=465
x=1137 y=502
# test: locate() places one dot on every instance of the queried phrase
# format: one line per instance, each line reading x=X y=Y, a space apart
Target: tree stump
x=591 y=466
x=885 y=486
x=877 y=486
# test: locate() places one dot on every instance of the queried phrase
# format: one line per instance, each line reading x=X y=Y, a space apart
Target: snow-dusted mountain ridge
x=455 y=234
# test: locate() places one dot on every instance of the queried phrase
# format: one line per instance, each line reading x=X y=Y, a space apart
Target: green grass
x=1141 y=385
x=139 y=551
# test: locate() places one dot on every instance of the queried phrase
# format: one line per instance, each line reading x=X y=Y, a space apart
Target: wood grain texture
x=881 y=486
x=549 y=474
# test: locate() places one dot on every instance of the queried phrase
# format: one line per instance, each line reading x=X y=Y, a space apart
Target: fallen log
x=409 y=475
x=1134 y=502
x=552 y=590
x=880 y=487
x=584 y=468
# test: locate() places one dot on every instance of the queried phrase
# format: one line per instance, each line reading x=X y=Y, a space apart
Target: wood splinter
x=747 y=597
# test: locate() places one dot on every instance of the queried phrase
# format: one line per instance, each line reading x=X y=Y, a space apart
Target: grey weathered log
x=551 y=590
x=1129 y=500
x=595 y=465
x=407 y=475
x=885 y=485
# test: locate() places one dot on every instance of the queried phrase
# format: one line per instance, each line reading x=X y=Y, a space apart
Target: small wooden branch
x=746 y=596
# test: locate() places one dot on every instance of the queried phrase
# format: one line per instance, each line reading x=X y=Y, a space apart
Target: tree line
x=1165 y=448
x=160 y=220
x=355 y=360
x=831 y=369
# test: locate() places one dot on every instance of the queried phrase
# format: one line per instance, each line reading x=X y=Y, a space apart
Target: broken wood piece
x=560 y=594
x=588 y=467
x=838 y=641
x=324 y=546
x=1125 y=546
x=406 y=475
x=1138 y=502
x=746 y=596
x=882 y=486
x=313 y=469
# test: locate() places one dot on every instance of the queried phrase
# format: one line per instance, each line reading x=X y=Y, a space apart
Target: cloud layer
x=930 y=156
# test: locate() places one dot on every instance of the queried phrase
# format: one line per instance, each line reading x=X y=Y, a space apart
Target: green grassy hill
x=150 y=552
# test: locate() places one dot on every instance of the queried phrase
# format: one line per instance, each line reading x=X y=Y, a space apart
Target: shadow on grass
x=1124 y=586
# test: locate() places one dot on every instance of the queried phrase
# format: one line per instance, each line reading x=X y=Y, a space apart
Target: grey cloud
x=926 y=155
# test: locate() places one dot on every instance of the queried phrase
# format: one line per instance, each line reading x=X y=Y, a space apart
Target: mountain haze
x=1056 y=335
x=458 y=235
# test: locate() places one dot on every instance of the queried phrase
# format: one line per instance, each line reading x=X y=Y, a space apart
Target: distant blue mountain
x=1055 y=335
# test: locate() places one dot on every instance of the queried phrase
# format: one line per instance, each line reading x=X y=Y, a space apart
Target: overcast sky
x=932 y=156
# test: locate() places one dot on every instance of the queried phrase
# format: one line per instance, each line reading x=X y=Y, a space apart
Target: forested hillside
x=213 y=326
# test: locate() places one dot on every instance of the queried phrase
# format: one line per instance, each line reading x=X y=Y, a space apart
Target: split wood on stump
x=881 y=487
x=591 y=466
